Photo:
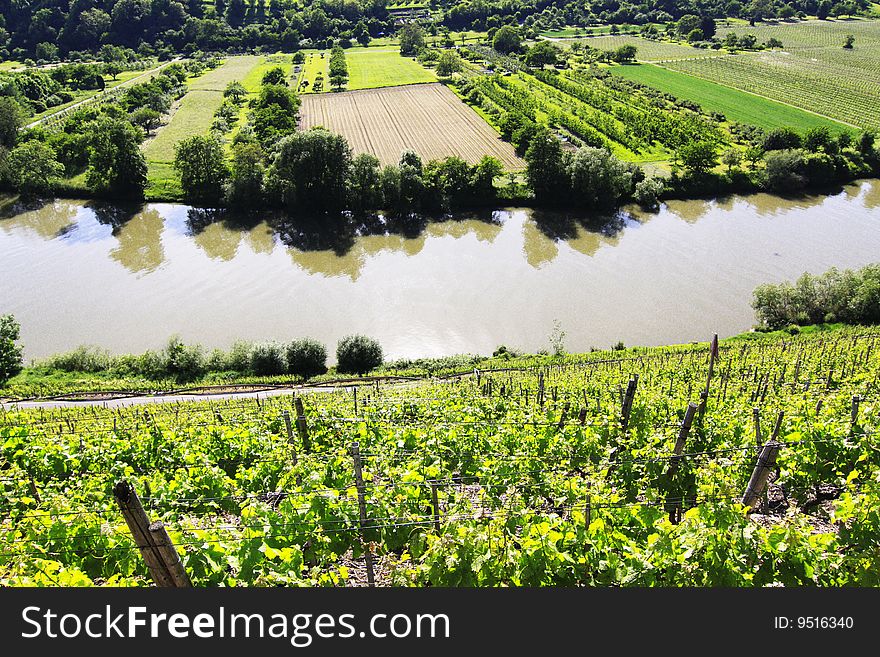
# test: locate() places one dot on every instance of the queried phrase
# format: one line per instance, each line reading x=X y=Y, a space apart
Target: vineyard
x=663 y=466
x=425 y=118
x=844 y=93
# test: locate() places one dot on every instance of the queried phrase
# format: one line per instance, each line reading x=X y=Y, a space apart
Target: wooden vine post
x=674 y=504
x=435 y=503
x=854 y=414
x=628 y=398
x=704 y=396
x=152 y=540
x=302 y=427
x=760 y=475
x=362 y=510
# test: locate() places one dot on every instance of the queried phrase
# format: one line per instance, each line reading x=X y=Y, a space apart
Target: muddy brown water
x=127 y=278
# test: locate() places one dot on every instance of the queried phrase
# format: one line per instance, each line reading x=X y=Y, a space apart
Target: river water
x=127 y=278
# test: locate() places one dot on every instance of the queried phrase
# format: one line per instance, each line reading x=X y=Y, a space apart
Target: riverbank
x=46 y=383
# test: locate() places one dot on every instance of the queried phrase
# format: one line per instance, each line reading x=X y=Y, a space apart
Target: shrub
x=10 y=353
x=85 y=358
x=267 y=358
x=647 y=193
x=358 y=354
x=306 y=358
x=183 y=362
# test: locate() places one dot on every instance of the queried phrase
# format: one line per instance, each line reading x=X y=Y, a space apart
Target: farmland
x=813 y=71
x=843 y=93
x=193 y=116
x=428 y=119
x=369 y=68
x=542 y=474
x=733 y=103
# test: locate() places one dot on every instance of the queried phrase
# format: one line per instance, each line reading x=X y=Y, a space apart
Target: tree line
x=72 y=28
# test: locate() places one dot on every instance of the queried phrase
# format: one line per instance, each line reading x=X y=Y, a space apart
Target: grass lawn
x=734 y=104
x=370 y=69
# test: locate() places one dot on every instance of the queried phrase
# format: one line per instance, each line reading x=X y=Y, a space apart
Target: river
x=128 y=278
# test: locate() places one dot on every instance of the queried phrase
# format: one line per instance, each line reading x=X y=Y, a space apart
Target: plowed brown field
x=426 y=118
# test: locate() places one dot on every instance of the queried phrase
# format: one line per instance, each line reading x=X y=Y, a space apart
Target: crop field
x=736 y=105
x=643 y=468
x=844 y=93
x=647 y=50
x=428 y=119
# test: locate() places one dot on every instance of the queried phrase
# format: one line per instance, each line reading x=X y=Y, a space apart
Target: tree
x=695 y=35
x=306 y=358
x=236 y=91
x=545 y=167
x=274 y=75
x=202 y=167
x=781 y=139
x=310 y=171
x=448 y=63
x=33 y=169
x=116 y=163
x=11 y=120
x=626 y=53
x=412 y=39
x=11 y=361
x=113 y=69
x=358 y=354
x=731 y=158
x=245 y=189
x=597 y=178
x=698 y=157
x=365 y=184
x=146 y=118
x=785 y=171
x=849 y=41
x=274 y=113
x=687 y=24
x=483 y=178
x=507 y=40
x=542 y=54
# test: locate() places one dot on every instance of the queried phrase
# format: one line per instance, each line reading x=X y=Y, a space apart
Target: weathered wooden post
x=760 y=475
x=362 y=511
x=854 y=413
x=170 y=557
x=435 y=503
x=139 y=526
x=302 y=428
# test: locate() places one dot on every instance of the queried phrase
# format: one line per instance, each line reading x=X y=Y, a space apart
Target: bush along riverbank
x=91 y=372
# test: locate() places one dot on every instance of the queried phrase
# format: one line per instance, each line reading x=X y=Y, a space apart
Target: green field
x=813 y=71
x=849 y=94
x=194 y=115
x=734 y=104
x=368 y=68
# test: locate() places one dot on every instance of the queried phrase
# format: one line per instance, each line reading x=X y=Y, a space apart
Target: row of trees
x=55 y=28
x=852 y=297
x=315 y=172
